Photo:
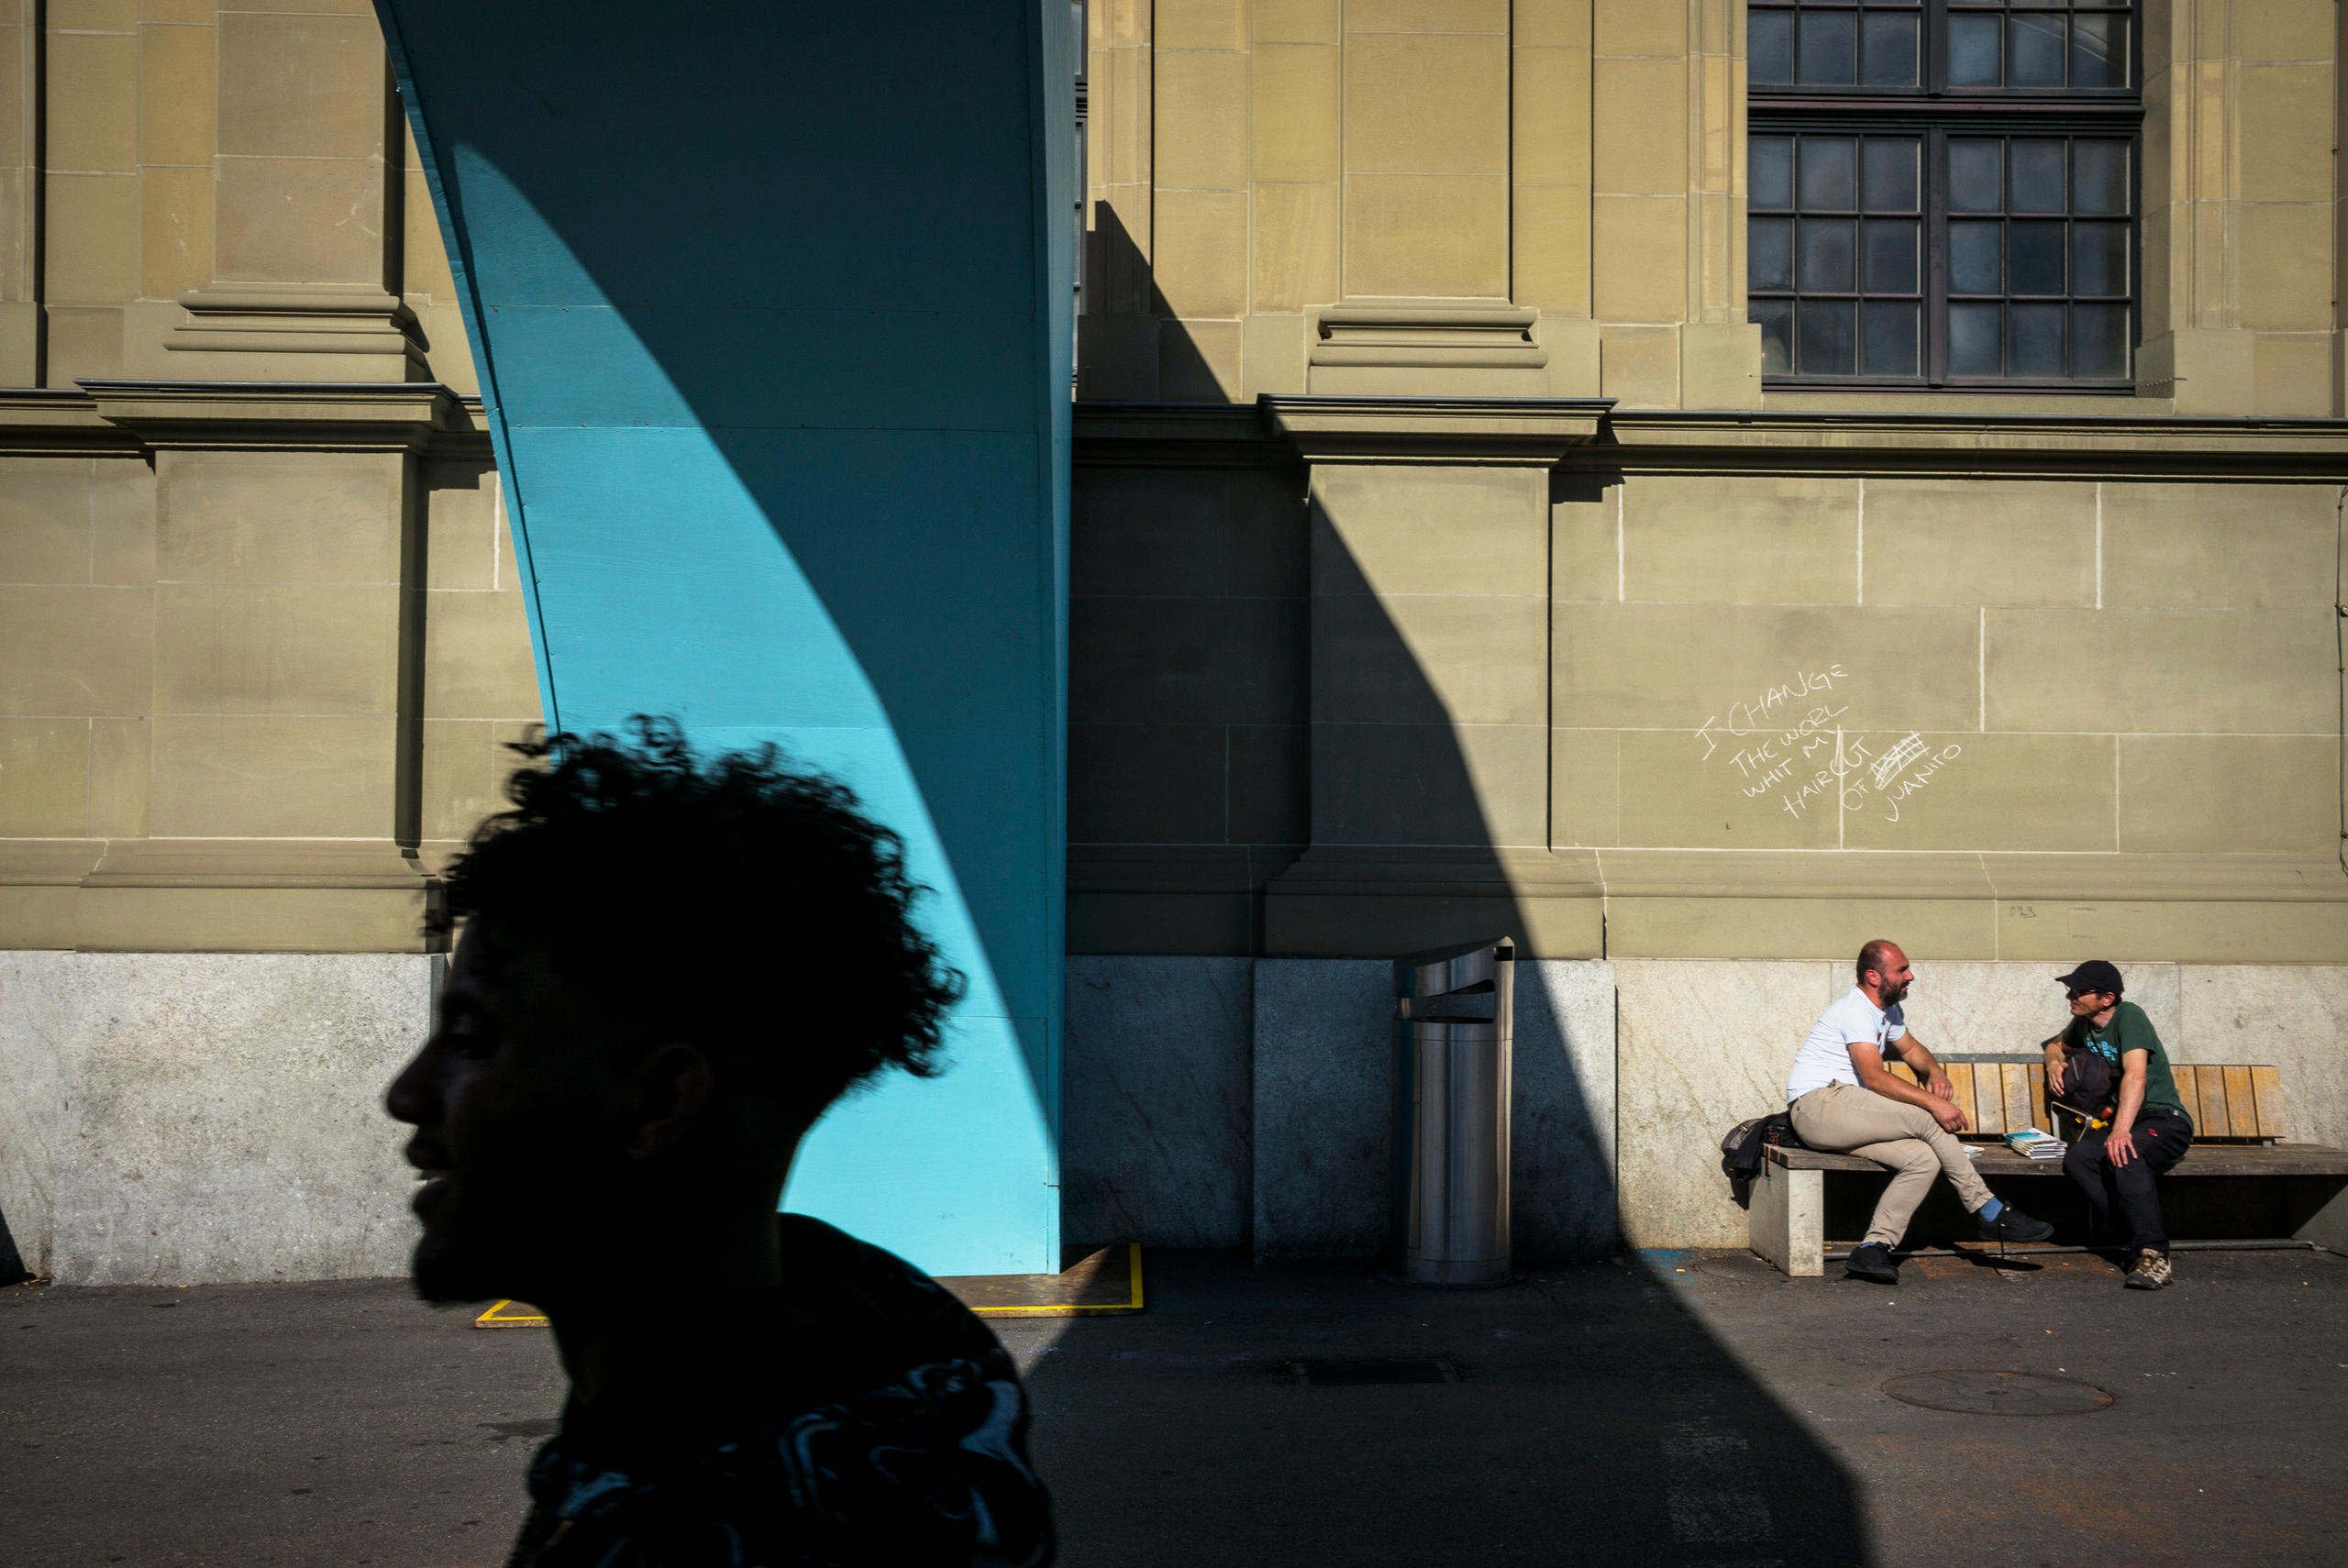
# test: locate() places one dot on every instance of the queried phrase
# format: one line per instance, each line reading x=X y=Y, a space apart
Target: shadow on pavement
x=1595 y=1420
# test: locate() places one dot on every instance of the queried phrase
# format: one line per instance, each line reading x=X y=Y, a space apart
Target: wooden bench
x=1787 y=1212
x=2006 y=1095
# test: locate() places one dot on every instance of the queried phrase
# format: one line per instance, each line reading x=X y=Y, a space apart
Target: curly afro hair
x=738 y=903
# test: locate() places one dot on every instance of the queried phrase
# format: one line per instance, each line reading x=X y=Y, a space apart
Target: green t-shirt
x=2129 y=1029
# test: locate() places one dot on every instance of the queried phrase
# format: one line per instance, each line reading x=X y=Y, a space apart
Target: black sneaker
x=2012 y=1225
x=1873 y=1262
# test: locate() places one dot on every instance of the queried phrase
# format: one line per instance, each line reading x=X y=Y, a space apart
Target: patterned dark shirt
x=892 y=1429
x=2129 y=1029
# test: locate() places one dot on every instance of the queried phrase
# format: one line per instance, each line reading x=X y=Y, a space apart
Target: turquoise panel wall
x=771 y=306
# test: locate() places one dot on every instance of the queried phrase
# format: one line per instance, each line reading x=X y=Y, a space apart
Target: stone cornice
x=1528 y=432
x=1991 y=875
x=2050 y=446
x=1175 y=434
x=278 y=415
x=1376 y=871
x=257 y=863
x=222 y=863
x=35 y=420
x=2082 y=444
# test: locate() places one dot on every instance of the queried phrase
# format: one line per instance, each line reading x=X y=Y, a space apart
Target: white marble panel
x=2009 y=1008
x=1155 y=1091
x=1323 y=1054
x=2294 y=1017
x=33 y=1024
x=211 y=1117
x=1701 y=1045
x=1561 y=1150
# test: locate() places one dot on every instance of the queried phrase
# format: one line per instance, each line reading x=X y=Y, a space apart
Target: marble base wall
x=2002 y=1009
x=1155 y=1098
x=1322 y=1105
x=1562 y=1171
x=1702 y=1045
x=1324 y=1118
x=196 y=1118
x=2293 y=1016
x=190 y=1118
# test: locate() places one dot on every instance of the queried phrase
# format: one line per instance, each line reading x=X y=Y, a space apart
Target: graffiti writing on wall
x=1790 y=750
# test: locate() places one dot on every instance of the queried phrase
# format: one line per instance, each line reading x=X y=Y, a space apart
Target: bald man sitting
x=1842 y=1100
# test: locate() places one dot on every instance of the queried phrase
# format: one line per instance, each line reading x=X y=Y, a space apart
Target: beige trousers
x=1844 y=1118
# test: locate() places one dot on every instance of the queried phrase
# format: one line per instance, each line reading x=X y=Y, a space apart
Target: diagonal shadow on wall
x=1225 y=1090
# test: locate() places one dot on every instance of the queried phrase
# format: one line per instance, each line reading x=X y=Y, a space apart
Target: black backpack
x=1741 y=1149
x=2089 y=1091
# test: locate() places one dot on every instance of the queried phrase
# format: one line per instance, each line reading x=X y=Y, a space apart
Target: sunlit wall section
x=771 y=305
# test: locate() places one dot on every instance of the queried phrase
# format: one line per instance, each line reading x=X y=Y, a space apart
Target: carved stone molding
x=1515 y=431
x=281 y=331
x=281 y=416
x=2087 y=444
x=257 y=863
x=1446 y=336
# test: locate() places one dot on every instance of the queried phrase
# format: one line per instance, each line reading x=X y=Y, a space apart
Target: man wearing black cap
x=2108 y=1067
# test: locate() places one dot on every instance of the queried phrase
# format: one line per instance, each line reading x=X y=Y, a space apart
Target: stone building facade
x=262 y=634
x=1506 y=503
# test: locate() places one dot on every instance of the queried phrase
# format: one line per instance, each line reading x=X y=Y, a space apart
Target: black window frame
x=1933 y=112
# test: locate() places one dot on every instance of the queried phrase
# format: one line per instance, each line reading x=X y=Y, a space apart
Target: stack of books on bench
x=2031 y=1143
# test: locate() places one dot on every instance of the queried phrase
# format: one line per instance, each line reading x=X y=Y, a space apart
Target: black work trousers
x=2160 y=1138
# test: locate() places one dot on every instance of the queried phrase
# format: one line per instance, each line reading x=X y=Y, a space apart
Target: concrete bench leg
x=2319 y=1207
x=1789 y=1219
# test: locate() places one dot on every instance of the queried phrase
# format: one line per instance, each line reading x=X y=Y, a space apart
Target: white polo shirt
x=1825 y=1057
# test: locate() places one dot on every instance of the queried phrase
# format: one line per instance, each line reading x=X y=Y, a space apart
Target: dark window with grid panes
x=1943 y=194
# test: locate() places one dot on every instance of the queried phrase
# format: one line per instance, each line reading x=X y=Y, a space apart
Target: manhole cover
x=1356 y=1374
x=1998 y=1393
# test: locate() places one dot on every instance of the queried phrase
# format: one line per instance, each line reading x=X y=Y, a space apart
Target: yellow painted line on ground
x=497 y=1317
x=1132 y=1276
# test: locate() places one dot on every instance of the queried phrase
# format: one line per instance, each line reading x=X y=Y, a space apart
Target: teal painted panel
x=770 y=308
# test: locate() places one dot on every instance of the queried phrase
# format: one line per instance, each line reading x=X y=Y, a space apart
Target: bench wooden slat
x=2266 y=1085
x=1960 y=1078
x=1990 y=1099
x=2241 y=1107
x=2016 y=1086
x=2225 y=1101
x=2213 y=1082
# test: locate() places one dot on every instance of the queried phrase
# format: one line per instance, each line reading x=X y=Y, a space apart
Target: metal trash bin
x=1451 y=1125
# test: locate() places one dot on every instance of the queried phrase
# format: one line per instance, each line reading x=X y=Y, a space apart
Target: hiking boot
x=2012 y=1225
x=1873 y=1262
x=2151 y=1272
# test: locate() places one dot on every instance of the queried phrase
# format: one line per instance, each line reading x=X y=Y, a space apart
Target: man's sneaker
x=2012 y=1225
x=1873 y=1262
x=2151 y=1273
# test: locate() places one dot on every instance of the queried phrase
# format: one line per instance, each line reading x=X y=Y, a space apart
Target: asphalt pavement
x=1659 y=1410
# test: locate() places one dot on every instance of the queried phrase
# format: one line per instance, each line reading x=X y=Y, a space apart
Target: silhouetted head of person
x=669 y=968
